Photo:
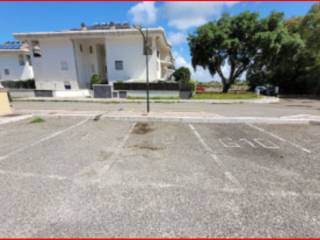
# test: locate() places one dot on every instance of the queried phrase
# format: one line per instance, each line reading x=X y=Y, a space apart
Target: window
x=81 y=49
x=64 y=66
x=21 y=60
x=29 y=60
x=6 y=71
x=67 y=85
x=36 y=49
x=118 y=65
x=158 y=53
x=90 y=49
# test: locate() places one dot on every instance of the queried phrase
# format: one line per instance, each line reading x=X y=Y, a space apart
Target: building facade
x=15 y=62
x=68 y=59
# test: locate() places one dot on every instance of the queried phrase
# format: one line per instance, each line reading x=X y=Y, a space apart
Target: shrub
x=182 y=74
x=95 y=79
x=187 y=86
x=143 y=86
x=25 y=84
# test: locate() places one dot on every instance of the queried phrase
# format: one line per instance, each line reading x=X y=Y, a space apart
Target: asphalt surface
x=285 y=107
x=79 y=177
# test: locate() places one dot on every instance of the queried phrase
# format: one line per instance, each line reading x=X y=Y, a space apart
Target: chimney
x=83 y=26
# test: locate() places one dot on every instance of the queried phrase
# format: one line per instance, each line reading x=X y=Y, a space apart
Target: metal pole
x=147 y=69
x=145 y=51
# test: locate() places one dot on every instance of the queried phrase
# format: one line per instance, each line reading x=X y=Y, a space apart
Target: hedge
x=26 y=84
x=143 y=86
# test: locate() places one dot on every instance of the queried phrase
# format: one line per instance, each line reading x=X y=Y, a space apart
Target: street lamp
x=146 y=52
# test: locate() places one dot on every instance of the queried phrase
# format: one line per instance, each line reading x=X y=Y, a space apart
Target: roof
x=90 y=31
x=13 y=46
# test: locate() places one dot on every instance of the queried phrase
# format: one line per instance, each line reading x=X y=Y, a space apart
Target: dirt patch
x=97 y=117
x=103 y=155
x=146 y=147
x=142 y=128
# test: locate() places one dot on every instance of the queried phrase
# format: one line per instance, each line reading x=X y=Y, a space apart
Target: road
x=85 y=177
x=285 y=107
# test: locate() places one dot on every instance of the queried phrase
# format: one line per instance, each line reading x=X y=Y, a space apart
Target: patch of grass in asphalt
x=153 y=98
x=37 y=120
x=224 y=96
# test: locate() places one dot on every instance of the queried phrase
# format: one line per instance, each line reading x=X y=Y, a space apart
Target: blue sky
x=177 y=18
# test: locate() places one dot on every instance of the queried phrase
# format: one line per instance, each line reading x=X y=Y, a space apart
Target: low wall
x=152 y=93
x=21 y=93
x=72 y=93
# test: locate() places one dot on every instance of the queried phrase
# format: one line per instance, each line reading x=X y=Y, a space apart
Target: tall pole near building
x=146 y=52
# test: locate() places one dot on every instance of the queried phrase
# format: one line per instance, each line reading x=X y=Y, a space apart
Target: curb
x=8 y=119
x=264 y=100
x=226 y=120
x=181 y=119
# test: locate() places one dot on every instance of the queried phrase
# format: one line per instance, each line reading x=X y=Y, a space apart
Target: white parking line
x=227 y=143
x=55 y=134
x=104 y=169
x=214 y=156
x=279 y=138
x=32 y=175
x=263 y=144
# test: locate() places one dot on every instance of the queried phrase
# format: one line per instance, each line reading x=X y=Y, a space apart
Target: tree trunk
x=225 y=87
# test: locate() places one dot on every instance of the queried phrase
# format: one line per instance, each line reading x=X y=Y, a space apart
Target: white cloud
x=144 y=13
x=177 y=38
x=184 y=15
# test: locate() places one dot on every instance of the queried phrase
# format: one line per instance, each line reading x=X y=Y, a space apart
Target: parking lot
x=95 y=177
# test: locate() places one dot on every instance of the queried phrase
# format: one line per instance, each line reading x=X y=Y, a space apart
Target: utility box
x=122 y=94
x=102 y=91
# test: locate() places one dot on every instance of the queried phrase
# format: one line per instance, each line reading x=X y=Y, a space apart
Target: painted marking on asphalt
x=44 y=139
x=32 y=175
x=251 y=144
x=214 y=156
x=228 y=143
x=279 y=138
x=266 y=144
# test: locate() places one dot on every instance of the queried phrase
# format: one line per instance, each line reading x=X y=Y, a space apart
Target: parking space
x=80 y=177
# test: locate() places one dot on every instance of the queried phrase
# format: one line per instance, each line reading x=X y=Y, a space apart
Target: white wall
x=129 y=50
x=49 y=74
x=47 y=68
x=17 y=72
x=87 y=63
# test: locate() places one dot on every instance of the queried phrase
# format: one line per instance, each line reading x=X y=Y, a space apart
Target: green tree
x=280 y=59
x=229 y=40
x=310 y=28
x=182 y=74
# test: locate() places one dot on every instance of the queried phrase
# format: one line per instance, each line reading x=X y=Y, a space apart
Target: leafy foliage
x=95 y=79
x=229 y=40
x=182 y=74
x=289 y=56
x=270 y=51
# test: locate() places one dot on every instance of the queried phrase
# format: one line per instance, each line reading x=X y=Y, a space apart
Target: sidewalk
x=262 y=100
